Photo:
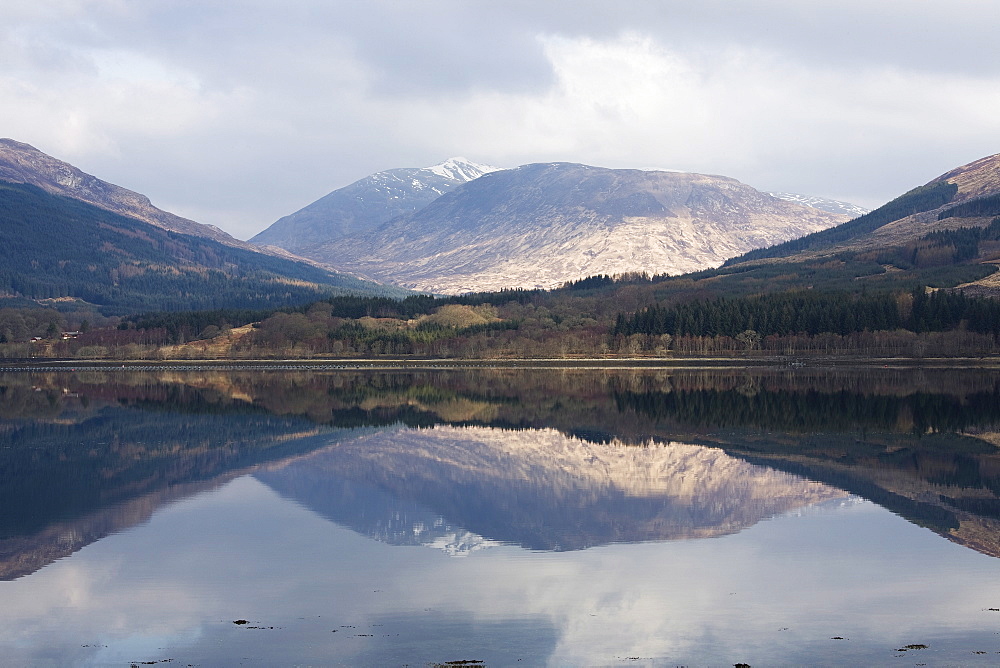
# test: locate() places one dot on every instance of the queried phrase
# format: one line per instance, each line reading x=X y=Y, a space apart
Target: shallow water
x=511 y=518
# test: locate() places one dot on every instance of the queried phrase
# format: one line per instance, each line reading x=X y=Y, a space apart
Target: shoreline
x=331 y=364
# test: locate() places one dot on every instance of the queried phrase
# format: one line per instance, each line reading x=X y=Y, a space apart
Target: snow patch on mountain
x=461 y=169
x=823 y=204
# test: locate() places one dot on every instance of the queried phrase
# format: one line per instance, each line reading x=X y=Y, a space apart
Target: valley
x=553 y=260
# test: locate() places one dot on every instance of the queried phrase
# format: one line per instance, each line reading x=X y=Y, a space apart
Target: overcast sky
x=237 y=113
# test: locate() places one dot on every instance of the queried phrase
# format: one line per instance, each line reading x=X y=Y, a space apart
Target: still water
x=500 y=517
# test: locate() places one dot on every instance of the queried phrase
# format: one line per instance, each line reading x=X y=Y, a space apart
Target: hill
x=540 y=225
x=965 y=196
x=23 y=163
x=56 y=249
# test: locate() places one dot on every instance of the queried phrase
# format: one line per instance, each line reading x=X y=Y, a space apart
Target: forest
x=810 y=313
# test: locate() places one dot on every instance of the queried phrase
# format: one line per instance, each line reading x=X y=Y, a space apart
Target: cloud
x=631 y=102
x=239 y=114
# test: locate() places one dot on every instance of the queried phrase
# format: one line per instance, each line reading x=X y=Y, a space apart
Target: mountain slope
x=23 y=163
x=54 y=247
x=541 y=225
x=366 y=204
x=975 y=179
x=923 y=210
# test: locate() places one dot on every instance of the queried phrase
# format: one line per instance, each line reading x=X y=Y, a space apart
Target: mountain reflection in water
x=536 y=488
x=547 y=459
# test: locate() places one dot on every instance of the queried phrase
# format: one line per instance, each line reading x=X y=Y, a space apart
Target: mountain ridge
x=822 y=203
x=54 y=247
x=974 y=178
x=23 y=163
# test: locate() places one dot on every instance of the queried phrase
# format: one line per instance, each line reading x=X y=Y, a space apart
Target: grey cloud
x=423 y=49
x=278 y=104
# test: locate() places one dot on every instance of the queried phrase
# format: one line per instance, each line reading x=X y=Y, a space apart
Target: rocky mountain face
x=23 y=163
x=368 y=203
x=540 y=225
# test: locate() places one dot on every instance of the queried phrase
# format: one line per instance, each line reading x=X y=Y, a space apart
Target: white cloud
x=630 y=101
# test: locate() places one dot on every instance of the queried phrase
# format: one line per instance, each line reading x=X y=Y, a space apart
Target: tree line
x=980 y=206
x=810 y=313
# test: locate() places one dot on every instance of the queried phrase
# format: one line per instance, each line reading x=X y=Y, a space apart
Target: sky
x=238 y=113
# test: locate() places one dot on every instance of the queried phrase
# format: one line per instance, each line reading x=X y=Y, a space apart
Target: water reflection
x=85 y=454
x=536 y=488
x=144 y=513
x=315 y=593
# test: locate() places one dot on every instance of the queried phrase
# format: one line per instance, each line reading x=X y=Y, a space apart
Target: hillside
x=23 y=163
x=365 y=204
x=966 y=196
x=64 y=250
x=541 y=225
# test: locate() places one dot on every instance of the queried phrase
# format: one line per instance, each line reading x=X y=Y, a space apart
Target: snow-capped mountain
x=831 y=205
x=366 y=204
x=541 y=225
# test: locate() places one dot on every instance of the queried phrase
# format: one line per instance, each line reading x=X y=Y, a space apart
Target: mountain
x=831 y=205
x=60 y=250
x=67 y=236
x=23 y=163
x=368 y=203
x=541 y=225
x=920 y=268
